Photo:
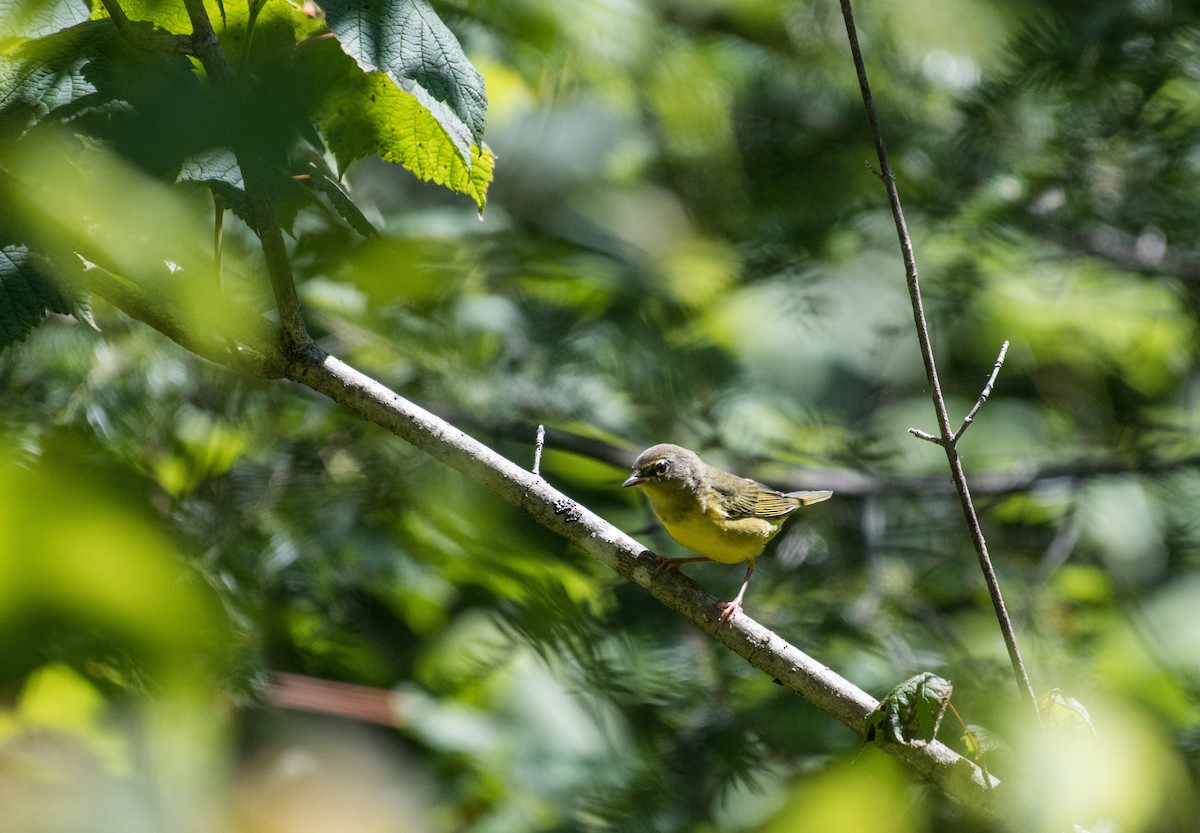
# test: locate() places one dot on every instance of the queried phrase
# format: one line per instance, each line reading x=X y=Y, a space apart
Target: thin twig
x=925 y=435
x=983 y=397
x=539 y=444
x=845 y=481
x=939 y=403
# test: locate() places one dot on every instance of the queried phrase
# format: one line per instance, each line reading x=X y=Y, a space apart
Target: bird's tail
x=806 y=498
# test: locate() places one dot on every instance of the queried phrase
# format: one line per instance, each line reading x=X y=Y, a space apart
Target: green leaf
x=52 y=76
x=364 y=113
x=26 y=295
x=217 y=168
x=405 y=40
x=912 y=712
x=147 y=105
x=981 y=742
x=38 y=18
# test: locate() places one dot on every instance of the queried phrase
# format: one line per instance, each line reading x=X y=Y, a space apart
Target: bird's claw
x=728 y=611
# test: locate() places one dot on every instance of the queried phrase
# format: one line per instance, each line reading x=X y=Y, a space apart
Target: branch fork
x=953 y=439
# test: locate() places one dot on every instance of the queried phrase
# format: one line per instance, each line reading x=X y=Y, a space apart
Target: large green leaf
x=364 y=113
x=407 y=42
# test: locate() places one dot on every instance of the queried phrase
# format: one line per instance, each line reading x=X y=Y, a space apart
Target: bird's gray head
x=666 y=466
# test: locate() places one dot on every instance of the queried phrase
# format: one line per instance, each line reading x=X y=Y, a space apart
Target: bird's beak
x=633 y=480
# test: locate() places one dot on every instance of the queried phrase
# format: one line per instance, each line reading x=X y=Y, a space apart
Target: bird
x=717 y=515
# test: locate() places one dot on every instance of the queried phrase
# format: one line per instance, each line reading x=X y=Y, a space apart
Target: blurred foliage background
x=683 y=244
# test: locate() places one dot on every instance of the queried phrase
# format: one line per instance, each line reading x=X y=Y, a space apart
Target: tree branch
x=529 y=492
x=946 y=434
x=1119 y=248
x=759 y=646
x=306 y=364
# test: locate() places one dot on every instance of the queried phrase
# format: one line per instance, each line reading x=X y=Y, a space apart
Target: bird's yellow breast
x=704 y=529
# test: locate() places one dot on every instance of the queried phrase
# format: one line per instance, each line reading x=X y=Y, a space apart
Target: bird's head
x=667 y=468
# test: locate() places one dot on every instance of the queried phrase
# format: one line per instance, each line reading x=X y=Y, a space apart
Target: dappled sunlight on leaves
x=681 y=244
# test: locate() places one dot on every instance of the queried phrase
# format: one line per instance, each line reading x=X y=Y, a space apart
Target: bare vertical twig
x=539 y=445
x=947 y=437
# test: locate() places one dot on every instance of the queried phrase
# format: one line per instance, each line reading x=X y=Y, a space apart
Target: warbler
x=718 y=515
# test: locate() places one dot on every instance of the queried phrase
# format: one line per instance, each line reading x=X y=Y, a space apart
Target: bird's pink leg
x=733 y=608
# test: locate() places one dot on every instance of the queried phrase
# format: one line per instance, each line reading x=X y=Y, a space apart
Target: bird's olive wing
x=751 y=499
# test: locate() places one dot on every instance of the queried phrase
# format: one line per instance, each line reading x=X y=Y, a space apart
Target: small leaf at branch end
x=912 y=712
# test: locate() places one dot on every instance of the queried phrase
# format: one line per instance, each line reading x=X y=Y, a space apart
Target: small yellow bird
x=718 y=515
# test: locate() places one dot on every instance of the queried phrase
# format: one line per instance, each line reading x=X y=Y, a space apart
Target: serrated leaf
x=147 y=104
x=364 y=113
x=981 y=742
x=49 y=76
x=215 y=165
x=407 y=42
x=217 y=169
x=26 y=295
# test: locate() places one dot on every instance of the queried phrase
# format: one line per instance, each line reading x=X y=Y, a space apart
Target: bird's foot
x=729 y=610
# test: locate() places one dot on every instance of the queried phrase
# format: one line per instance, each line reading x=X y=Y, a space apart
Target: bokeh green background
x=682 y=243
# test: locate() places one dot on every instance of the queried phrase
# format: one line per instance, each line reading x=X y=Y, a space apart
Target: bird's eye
x=662 y=467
